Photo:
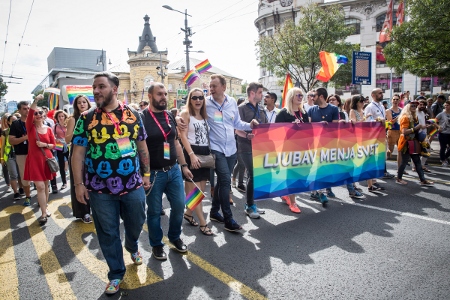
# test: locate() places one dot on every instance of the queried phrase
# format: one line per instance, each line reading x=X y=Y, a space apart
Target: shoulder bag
x=414 y=146
x=51 y=161
x=207 y=161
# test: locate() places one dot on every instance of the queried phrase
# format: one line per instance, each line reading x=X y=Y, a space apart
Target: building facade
x=366 y=17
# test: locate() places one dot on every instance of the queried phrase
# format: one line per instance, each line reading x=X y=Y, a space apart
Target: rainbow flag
x=125 y=97
x=330 y=64
x=293 y=158
x=53 y=101
x=75 y=90
x=190 y=77
x=287 y=86
x=435 y=128
x=203 y=67
x=194 y=198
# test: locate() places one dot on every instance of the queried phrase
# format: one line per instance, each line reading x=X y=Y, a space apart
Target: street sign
x=181 y=93
x=12 y=106
x=362 y=68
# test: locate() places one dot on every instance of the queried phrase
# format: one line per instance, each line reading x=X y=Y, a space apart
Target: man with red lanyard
x=165 y=175
x=109 y=152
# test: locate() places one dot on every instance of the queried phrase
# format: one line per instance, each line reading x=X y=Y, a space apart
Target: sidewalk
x=432 y=160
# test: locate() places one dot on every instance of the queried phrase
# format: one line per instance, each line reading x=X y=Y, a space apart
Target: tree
x=421 y=45
x=43 y=102
x=3 y=88
x=294 y=48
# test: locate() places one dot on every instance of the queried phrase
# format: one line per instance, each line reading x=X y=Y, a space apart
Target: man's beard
x=107 y=101
x=158 y=106
x=422 y=108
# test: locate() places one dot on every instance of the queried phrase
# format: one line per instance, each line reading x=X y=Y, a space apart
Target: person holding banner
x=409 y=128
x=248 y=111
x=293 y=112
x=62 y=152
x=195 y=140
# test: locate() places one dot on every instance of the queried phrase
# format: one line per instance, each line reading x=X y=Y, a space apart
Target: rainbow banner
x=203 y=67
x=330 y=64
x=291 y=158
x=190 y=77
x=194 y=198
x=75 y=90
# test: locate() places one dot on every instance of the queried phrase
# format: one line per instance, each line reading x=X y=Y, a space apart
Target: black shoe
x=16 y=196
x=378 y=186
x=216 y=218
x=158 y=253
x=232 y=226
x=388 y=175
x=179 y=246
x=241 y=188
x=21 y=192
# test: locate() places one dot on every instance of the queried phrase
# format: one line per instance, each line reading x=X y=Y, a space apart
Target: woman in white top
x=196 y=142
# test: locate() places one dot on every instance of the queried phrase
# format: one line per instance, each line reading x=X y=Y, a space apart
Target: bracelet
x=147 y=174
x=184 y=165
x=192 y=152
x=80 y=183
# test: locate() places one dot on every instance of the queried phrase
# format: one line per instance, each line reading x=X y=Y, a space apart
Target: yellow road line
x=9 y=280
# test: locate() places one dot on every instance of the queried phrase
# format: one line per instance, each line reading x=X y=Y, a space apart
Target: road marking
x=233 y=283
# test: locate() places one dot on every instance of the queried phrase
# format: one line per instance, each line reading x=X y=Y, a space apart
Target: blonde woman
x=195 y=141
x=292 y=112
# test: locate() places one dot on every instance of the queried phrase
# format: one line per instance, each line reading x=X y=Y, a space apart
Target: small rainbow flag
x=330 y=64
x=194 y=198
x=75 y=90
x=53 y=101
x=190 y=77
x=435 y=122
x=203 y=66
x=388 y=125
x=125 y=97
x=287 y=86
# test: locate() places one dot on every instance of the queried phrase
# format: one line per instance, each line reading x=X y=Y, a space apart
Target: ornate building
x=366 y=17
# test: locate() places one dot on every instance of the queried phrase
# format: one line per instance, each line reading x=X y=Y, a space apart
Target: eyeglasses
x=201 y=98
x=299 y=96
x=332 y=99
x=38 y=112
x=395 y=99
x=413 y=105
x=310 y=95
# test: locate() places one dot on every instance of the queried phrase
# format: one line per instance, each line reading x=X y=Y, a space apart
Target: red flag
x=400 y=13
x=387 y=25
x=287 y=86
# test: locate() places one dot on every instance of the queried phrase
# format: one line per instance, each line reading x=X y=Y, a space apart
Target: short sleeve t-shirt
x=18 y=130
x=328 y=113
x=107 y=171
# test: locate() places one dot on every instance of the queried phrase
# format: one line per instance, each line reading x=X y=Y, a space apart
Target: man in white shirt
x=270 y=109
x=309 y=101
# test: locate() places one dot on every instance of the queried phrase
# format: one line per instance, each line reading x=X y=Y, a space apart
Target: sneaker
x=323 y=198
x=378 y=186
x=286 y=199
x=55 y=190
x=357 y=188
x=445 y=163
x=136 y=258
x=158 y=253
x=356 y=195
x=251 y=211
x=232 y=226
x=179 y=246
x=388 y=175
x=216 y=218
x=294 y=208
x=260 y=211
x=63 y=187
x=241 y=188
x=331 y=194
x=373 y=188
x=315 y=195
x=87 y=219
x=16 y=196
x=27 y=202
x=21 y=192
x=113 y=286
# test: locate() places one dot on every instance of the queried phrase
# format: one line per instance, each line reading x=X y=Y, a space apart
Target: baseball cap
x=420 y=98
x=272 y=95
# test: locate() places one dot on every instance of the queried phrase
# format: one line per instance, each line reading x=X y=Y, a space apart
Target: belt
x=164 y=169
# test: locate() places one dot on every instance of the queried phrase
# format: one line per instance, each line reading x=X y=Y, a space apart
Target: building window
x=384 y=82
x=269 y=32
x=355 y=24
x=381 y=18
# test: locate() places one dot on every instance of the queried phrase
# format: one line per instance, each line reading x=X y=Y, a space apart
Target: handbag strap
x=207 y=135
x=37 y=136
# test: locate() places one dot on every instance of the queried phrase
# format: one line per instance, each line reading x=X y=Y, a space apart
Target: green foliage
x=3 y=88
x=421 y=46
x=294 y=48
x=244 y=87
x=43 y=102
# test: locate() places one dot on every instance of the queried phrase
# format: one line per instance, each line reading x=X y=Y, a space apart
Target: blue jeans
x=107 y=210
x=171 y=184
x=247 y=158
x=221 y=199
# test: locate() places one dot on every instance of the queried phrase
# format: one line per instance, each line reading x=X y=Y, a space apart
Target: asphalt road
x=391 y=245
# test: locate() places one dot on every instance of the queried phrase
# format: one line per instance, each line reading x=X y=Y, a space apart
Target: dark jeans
x=221 y=199
x=416 y=160
x=239 y=168
x=444 y=141
x=5 y=173
x=61 y=155
x=247 y=158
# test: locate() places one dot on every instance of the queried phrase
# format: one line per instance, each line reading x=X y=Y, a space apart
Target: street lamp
x=101 y=60
x=161 y=68
x=187 y=34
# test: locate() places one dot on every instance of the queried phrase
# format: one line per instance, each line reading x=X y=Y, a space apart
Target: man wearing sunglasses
x=143 y=105
x=309 y=101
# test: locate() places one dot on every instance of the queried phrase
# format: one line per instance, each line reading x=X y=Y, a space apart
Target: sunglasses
x=38 y=112
x=310 y=95
x=201 y=98
x=395 y=99
x=299 y=96
x=413 y=105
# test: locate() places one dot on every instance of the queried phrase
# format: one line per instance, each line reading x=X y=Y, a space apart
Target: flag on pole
x=194 y=198
x=387 y=25
x=330 y=64
x=400 y=13
x=190 y=77
x=53 y=101
x=125 y=97
x=287 y=86
x=142 y=97
x=203 y=67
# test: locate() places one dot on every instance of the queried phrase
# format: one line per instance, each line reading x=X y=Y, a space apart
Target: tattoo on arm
x=145 y=160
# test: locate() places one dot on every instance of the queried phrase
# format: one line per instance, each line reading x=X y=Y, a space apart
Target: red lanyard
x=301 y=116
x=114 y=122
x=159 y=125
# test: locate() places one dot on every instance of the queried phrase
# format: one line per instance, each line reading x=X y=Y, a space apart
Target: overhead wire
x=7 y=31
